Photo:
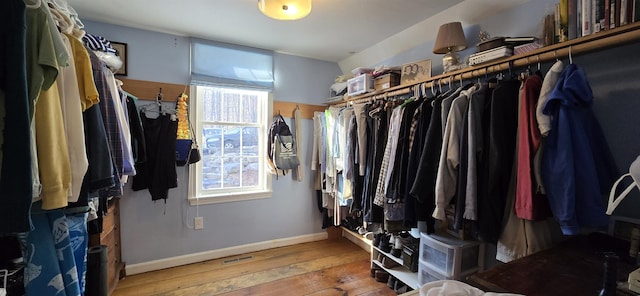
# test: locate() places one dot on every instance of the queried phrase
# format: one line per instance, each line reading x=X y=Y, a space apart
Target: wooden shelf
x=357 y=239
x=604 y=39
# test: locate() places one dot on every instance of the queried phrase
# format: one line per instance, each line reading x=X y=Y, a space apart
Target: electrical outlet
x=198 y=223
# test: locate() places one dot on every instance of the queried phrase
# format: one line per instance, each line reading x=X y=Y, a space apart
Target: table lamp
x=450 y=39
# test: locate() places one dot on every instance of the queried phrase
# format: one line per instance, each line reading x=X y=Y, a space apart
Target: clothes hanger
x=35 y=5
x=570 y=57
x=432 y=88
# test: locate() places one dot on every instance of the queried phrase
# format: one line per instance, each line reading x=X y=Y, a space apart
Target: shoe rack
x=399 y=271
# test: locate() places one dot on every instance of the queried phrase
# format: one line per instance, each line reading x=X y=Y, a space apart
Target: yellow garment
x=84 y=73
x=53 y=153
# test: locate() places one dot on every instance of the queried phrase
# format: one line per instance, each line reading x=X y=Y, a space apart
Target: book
x=607 y=14
x=564 y=20
x=572 y=19
x=586 y=17
x=599 y=8
x=489 y=55
x=527 y=39
x=623 y=12
x=636 y=10
x=595 y=24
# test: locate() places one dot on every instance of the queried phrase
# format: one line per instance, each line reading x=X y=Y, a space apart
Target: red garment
x=529 y=204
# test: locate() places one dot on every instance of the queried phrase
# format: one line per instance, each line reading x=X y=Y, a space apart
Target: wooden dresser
x=110 y=237
x=574 y=267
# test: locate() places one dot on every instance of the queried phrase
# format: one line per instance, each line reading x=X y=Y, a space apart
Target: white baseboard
x=220 y=253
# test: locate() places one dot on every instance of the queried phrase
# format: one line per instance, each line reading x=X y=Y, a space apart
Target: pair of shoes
x=381 y=276
x=389 y=263
x=398 y=244
x=391 y=283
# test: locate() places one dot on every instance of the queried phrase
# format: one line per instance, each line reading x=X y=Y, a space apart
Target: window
x=230 y=115
x=231 y=125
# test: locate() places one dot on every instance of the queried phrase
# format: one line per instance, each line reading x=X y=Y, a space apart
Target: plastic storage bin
x=450 y=256
x=359 y=85
x=427 y=275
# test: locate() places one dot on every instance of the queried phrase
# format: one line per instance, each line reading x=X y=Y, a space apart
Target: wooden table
x=574 y=267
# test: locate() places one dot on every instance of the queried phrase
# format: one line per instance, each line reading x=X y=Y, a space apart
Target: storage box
x=427 y=274
x=450 y=256
x=359 y=85
x=386 y=81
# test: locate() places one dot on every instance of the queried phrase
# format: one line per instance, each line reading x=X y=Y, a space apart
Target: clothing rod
x=397 y=92
x=597 y=41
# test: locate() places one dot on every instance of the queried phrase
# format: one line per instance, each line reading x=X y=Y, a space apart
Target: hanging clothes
x=522 y=237
x=499 y=159
x=577 y=165
x=111 y=127
x=477 y=131
x=529 y=204
x=446 y=179
x=15 y=173
x=377 y=124
x=159 y=174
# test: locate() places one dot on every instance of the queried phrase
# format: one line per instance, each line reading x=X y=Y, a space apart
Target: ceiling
x=333 y=31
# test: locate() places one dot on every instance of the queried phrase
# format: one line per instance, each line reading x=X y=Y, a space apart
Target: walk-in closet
x=300 y=147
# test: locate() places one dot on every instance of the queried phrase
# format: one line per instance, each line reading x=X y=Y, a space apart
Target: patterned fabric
x=389 y=154
x=50 y=263
x=111 y=126
x=79 y=238
x=98 y=43
x=414 y=126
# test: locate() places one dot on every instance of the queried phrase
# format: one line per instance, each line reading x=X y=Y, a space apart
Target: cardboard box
x=386 y=81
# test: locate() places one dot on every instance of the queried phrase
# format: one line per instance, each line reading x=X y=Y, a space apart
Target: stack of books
x=490 y=55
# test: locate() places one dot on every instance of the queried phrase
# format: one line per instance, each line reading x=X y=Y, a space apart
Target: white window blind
x=231 y=65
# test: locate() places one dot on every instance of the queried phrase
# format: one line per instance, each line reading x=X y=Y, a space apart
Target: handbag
x=194 y=152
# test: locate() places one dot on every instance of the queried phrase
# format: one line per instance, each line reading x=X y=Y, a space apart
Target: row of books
x=577 y=18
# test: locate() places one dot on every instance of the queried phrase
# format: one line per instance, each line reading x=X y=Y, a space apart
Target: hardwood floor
x=328 y=267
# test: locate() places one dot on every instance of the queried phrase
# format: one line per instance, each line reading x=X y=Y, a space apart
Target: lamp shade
x=450 y=38
x=285 y=9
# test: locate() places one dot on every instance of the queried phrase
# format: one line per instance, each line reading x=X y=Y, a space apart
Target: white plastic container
x=450 y=256
x=359 y=85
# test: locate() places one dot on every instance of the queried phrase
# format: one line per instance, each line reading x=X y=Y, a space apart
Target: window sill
x=229 y=197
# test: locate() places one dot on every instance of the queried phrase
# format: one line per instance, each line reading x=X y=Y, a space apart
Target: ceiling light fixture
x=285 y=9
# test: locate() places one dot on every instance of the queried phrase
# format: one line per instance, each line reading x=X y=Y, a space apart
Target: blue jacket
x=577 y=166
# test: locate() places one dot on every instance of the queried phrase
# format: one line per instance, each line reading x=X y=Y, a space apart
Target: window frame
x=197 y=196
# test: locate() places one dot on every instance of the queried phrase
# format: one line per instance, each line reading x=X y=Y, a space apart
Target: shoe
x=397 y=246
x=391 y=283
x=400 y=288
x=389 y=263
x=361 y=230
x=368 y=235
x=381 y=276
x=376 y=239
x=373 y=270
x=385 y=246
